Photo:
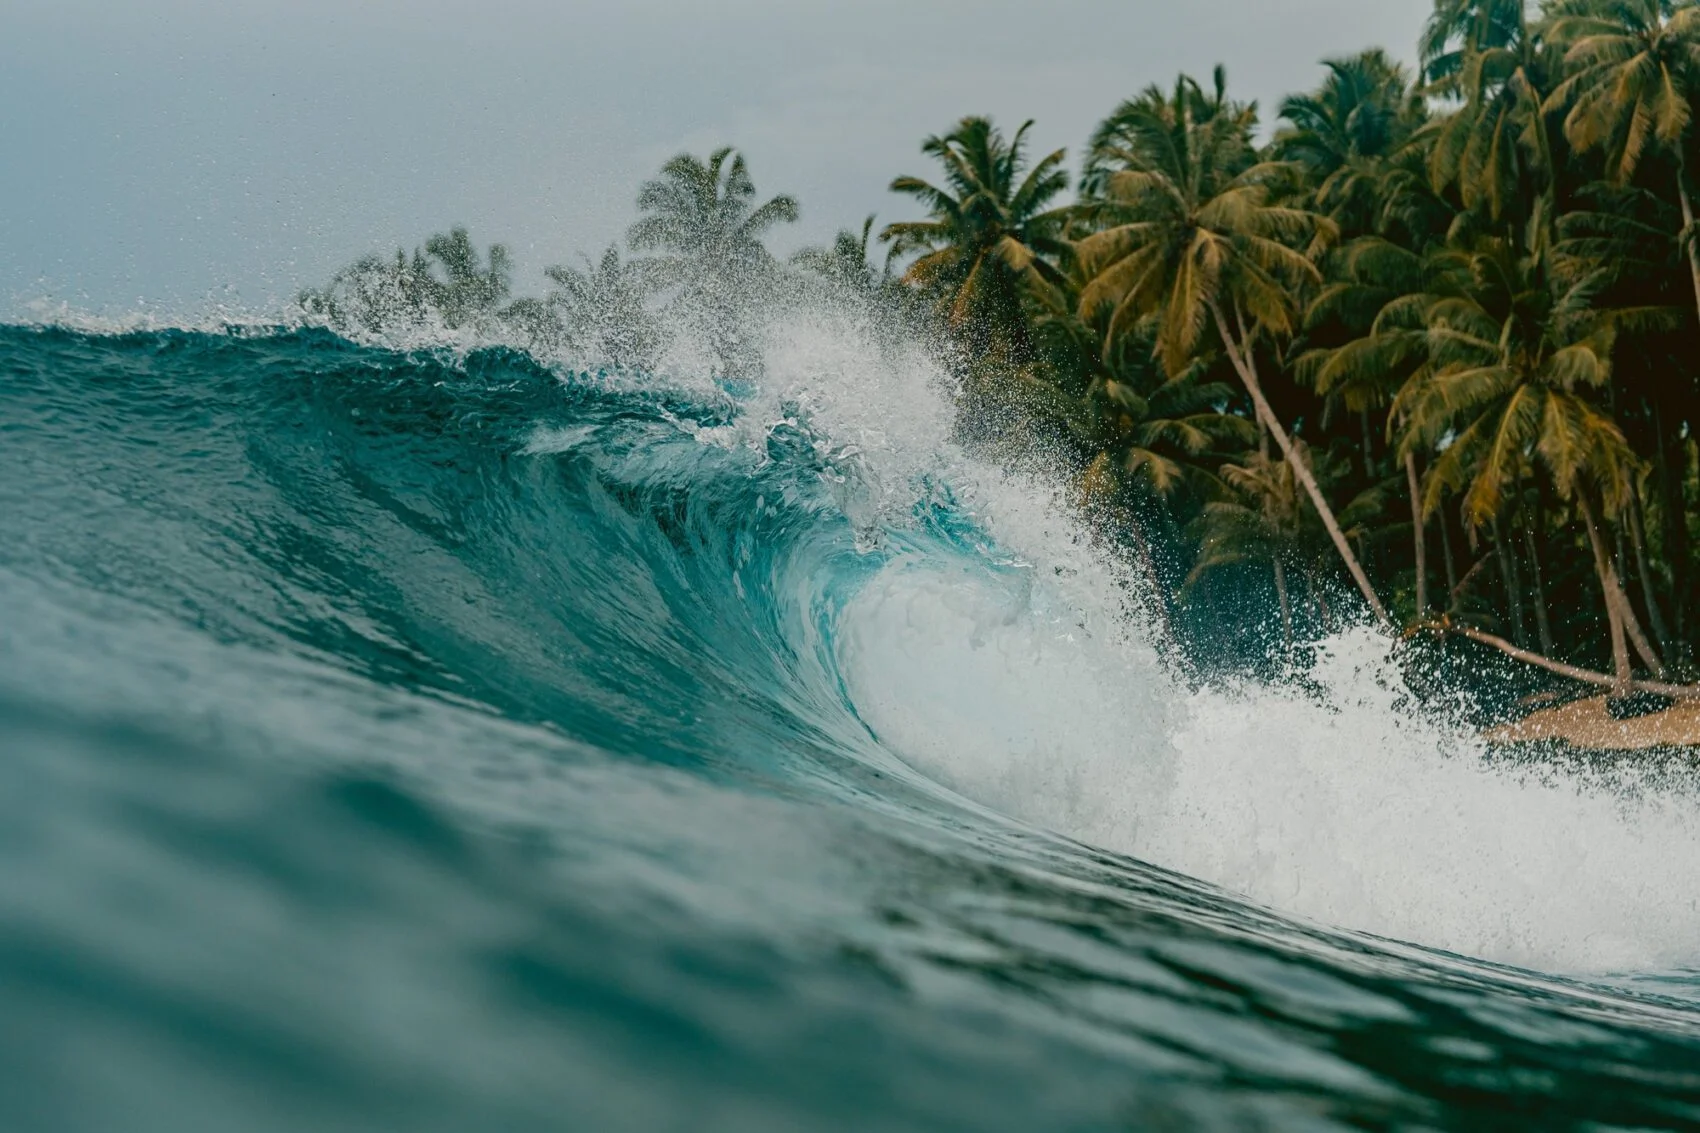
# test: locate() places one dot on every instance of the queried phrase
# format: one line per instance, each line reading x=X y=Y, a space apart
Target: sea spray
x=1340 y=798
x=1024 y=678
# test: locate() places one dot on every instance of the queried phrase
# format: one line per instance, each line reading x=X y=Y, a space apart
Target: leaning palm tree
x=705 y=233
x=1635 y=69
x=989 y=230
x=1194 y=239
x=1516 y=357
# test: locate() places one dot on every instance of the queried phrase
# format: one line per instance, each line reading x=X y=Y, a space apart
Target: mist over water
x=425 y=732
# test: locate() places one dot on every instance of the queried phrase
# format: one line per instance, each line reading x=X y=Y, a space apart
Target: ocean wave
x=662 y=701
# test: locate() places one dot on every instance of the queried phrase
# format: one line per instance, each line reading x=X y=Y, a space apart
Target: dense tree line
x=1437 y=336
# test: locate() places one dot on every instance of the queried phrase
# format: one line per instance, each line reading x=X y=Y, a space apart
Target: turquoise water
x=430 y=740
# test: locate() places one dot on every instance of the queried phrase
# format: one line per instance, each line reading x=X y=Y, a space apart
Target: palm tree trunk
x=1543 y=624
x=1417 y=539
x=1286 y=604
x=1513 y=588
x=1675 y=513
x=1446 y=553
x=1468 y=577
x=1637 y=635
x=1572 y=671
x=1369 y=448
x=1626 y=611
x=1239 y=353
x=1649 y=599
x=1688 y=233
x=1619 y=651
x=1608 y=586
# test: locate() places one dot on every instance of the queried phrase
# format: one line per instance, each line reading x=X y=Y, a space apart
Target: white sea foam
x=1028 y=685
x=1342 y=801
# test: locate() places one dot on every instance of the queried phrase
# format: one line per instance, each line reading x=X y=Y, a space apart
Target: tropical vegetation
x=1428 y=346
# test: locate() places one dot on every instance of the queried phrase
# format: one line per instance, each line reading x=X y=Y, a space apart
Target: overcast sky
x=180 y=153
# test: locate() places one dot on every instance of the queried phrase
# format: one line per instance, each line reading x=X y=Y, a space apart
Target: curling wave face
x=439 y=739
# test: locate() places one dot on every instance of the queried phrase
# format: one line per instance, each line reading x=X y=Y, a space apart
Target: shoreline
x=1587 y=724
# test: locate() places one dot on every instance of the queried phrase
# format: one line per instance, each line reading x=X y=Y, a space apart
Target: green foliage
x=988 y=233
x=1476 y=299
x=1630 y=65
x=602 y=311
x=1515 y=362
x=1459 y=30
x=1346 y=136
x=704 y=232
x=1189 y=223
x=702 y=226
x=447 y=283
x=1263 y=517
x=1464 y=306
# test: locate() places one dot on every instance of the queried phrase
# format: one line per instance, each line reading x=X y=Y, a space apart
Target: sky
x=183 y=156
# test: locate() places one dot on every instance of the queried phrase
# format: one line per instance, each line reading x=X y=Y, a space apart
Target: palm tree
x=1161 y=437
x=701 y=218
x=1456 y=29
x=1343 y=135
x=468 y=288
x=988 y=232
x=603 y=310
x=448 y=280
x=1138 y=427
x=1143 y=439
x=850 y=274
x=1634 y=65
x=1141 y=429
x=1370 y=291
x=706 y=231
x=1642 y=277
x=374 y=294
x=1194 y=240
x=1263 y=517
x=1353 y=140
x=844 y=263
x=1126 y=129
x=1513 y=356
x=1493 y=150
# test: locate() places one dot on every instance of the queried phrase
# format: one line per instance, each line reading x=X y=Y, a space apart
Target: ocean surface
x=425 y=737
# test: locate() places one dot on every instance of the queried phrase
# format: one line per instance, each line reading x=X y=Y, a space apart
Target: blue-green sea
x=432 y=738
